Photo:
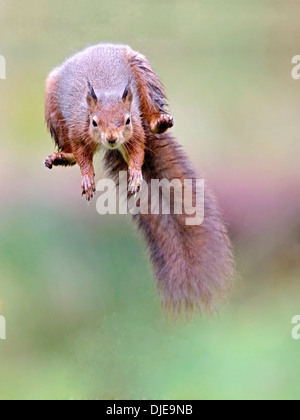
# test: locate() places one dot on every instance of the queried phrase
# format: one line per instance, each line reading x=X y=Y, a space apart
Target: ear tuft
x=92 y=91
x=128 y=95
x=91 y=98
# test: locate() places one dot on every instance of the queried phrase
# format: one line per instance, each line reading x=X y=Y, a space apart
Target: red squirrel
x=109 y=97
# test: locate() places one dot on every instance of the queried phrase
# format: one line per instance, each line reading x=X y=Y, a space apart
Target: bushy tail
x=193 y=265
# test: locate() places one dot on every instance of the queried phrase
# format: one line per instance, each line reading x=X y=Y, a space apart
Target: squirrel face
x=110 y=122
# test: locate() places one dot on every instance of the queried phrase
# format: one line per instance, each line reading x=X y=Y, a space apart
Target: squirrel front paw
x=135 y=180
x=88 y=187
x=161 y=124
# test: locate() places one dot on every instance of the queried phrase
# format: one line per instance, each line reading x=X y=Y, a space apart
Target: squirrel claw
x=88 y=187
x=48 y=163
x=162 y=124
x=135 y=181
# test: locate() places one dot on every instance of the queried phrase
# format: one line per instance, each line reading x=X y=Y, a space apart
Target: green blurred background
x=83 y=315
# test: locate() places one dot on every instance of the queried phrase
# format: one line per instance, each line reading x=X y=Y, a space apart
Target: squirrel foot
x=88 y=186
x=135 y=181
x=161 y=124
x=49 y=162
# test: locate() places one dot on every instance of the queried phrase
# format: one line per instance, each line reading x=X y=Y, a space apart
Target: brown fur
x=54 y=119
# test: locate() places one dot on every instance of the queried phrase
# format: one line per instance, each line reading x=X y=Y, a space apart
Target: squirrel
x=108 y=97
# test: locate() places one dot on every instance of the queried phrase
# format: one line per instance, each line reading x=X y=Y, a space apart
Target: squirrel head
x=110 y=121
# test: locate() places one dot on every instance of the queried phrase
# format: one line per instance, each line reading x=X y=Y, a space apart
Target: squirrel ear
x=91 y=96
x=128 y=95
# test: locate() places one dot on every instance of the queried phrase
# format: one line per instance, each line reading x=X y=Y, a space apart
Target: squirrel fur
x=108 y=97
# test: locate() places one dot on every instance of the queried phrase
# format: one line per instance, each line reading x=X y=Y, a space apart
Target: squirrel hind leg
x=159 y=124
x=60 y=159
x=151 y=92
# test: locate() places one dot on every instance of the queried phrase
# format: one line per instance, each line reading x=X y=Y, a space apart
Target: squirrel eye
x=95 y=124
x=128 y=121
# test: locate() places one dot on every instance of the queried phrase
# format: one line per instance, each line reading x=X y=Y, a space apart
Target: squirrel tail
x=193 y=265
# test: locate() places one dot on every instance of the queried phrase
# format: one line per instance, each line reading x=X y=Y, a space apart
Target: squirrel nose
x=112 y=140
